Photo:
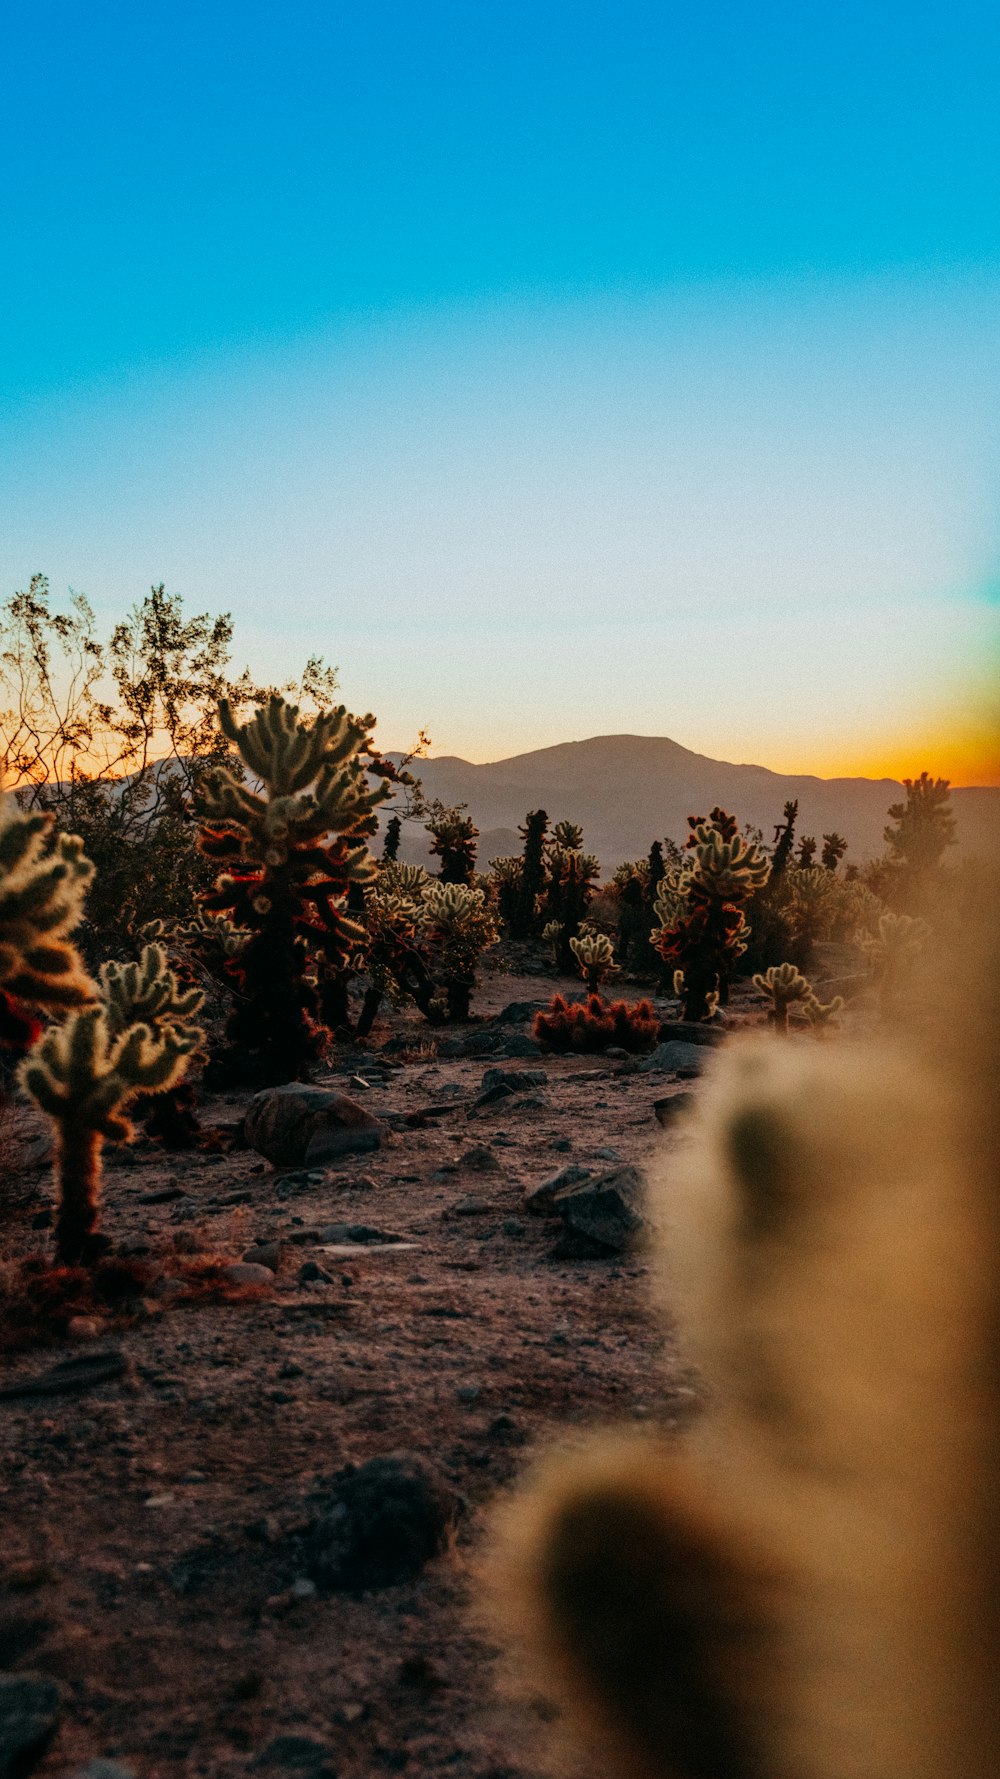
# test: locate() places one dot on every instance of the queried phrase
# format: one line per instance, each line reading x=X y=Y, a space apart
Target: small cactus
x=552 y=933
x=892 y=954
x=785 y=984
x=83 y=1074
x=595 y=957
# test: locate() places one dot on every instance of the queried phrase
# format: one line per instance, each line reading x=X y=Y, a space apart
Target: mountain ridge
x=627 y=790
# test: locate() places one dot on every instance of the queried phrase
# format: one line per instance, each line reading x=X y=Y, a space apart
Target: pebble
x=247 y=1272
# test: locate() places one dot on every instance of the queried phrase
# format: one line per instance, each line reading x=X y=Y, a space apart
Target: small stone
x=299 y=1753
x=164 y=1195
x=304 y=1589
x=674 y=1056
x=469 y=1392
x=513 y=1227
x=264 y=1254
x=560 y=1144
x=513 y=1080
x=247 y=1272
x=668 y=1109
x=603 y=1213
x=481 y=1157
x=85 y=1327
x=607 y=1154
x=471 y=1207
x=29 y=1712
x=540 y=1201
x=310 y=1273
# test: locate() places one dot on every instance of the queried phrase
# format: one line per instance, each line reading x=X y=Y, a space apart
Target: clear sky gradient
x=556 y=370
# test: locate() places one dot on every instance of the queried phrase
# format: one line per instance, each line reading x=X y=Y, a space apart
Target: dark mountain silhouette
x=628 y=790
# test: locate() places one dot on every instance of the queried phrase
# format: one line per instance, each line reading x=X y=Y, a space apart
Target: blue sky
x=555 y=369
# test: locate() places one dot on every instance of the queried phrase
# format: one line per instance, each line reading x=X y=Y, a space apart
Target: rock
x=519 y=1044
x=37 y=1149
x=86 y=1327
x=383 y=1522
x=530 y=1102
x=691 y=1031
x=519 y=1012
x=480 y=1156
x=29 y=1712
x=559 y=1143
x=246 y=1272
x=310 y=1273
x=298 y=1124
x=513 y=1080
x=264 y=1254
x=615 y=1053
x=164 y=1195
x=668 y=1109
x=513 y=1227
x=675 y=1056
x=471 y=1207
x=540 y=1201
x=361 y=1234
x=605 y=1210
x=607 y=1154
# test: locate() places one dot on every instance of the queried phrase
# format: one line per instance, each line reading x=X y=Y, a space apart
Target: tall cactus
x=83 y=1074
x=284 y=878
x=460 y=928
x=708 y=934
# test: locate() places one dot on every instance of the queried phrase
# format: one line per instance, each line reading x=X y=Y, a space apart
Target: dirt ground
x=152 y=1526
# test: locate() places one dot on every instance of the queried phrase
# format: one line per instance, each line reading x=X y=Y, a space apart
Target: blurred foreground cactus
x=892 y=954
x=801 y=1583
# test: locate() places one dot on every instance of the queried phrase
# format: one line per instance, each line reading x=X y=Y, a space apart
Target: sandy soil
x=152 y=1525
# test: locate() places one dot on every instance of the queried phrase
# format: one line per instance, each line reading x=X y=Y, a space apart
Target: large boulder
x=603 y=1215
x=540 y=1200
x=295 y=1125
x=382 y=1523
x=677 y=1056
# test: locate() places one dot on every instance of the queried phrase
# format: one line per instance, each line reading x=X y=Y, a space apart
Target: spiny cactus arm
x=148 y=990
x=822 y=1013
x=222 y=798
x=148 y=1061
x=346 y=801
x=21 y=837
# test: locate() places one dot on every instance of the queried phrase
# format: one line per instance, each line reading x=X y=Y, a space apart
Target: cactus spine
x=43 y=883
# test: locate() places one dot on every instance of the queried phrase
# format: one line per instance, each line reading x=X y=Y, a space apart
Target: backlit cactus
x=43 y=883
x=595 y=958
x=705 y=931
x=460 y=927
x=785 y=985
x=83 y=1074
x=454 y=842
x=286 y=880
x=892 y=954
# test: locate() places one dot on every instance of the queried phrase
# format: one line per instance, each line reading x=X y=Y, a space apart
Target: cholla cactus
x=396 y=950
x=893 y=953
x=803 y=1583
x=43 y=883
x=147 y=993
x=785 y=984
x=286 y=881
x=83 y=1074
x=595 y=958
x=406 y=881
x=454 y=843
x=460 y=927
x=708 y=934
x=568 y=835
x=552 y=934
x=570 y=884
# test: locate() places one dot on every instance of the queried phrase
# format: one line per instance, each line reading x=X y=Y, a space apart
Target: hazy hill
x=627 y=790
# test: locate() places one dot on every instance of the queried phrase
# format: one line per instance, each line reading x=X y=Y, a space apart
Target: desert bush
x=593 y=1025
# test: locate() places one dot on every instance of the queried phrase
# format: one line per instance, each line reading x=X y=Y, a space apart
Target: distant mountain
x=628 y=790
